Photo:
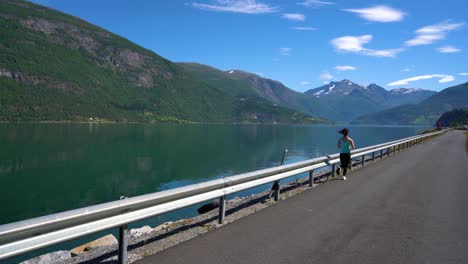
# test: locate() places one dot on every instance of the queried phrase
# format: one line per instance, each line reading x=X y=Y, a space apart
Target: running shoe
x=344 y=178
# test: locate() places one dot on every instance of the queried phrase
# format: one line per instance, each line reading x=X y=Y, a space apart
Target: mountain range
x=338 y=101
x=56 y=67
x=424 y=113
x=350 y=100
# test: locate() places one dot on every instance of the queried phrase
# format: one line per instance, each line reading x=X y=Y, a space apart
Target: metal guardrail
x=28 y=235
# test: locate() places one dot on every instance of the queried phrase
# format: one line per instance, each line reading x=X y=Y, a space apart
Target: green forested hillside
x=57 y=67
x=457 y=117
x=249 y=86
x=425 y=113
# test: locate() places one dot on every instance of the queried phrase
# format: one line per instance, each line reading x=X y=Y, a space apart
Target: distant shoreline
x=158 y=123
x=208 y=123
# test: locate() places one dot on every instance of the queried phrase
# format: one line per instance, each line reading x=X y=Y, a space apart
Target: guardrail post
x=381 y=154
x=363 y=160
x=123 y=259
x=222 y=209
x=388 y=152
x=123 y=242
x=333 y=173
x=373 y=156
x=277 y=192
x=311 y=178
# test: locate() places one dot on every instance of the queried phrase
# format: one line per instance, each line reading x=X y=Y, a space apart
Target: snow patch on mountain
x=318 y=93
x=330 y=89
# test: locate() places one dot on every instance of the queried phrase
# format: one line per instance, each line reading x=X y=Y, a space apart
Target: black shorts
x=345 y=159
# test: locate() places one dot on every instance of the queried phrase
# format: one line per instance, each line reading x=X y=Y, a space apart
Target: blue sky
x=302 y=43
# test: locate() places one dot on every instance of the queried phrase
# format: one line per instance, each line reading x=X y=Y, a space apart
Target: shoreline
x=208 y=123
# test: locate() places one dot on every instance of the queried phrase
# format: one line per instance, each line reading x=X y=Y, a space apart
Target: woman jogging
x=345 y=144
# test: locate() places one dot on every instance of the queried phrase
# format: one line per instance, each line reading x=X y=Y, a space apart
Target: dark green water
x=49 y=168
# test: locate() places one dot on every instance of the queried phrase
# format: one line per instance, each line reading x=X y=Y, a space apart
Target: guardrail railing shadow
x=32 y=234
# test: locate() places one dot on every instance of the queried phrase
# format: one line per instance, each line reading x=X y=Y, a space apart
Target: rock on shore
x=103 y=241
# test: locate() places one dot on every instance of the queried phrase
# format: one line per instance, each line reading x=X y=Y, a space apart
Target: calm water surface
x=49 y=168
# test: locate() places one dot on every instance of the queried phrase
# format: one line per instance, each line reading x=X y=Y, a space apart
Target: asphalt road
x=409 y=208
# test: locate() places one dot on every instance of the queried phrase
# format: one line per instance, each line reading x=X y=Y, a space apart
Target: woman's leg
x=347 y=161
x=342 y=163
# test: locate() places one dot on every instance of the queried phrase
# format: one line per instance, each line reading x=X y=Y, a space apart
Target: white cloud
x=326 y=76
x=294 y=17
x=345 y=68
x=443 y=78
x=424 y=40
x=306 y=83
x=285 y=51
x=439 y=28
x=407 y=69
x=430 y=34
x=389 y=53
x=355 y=44
x=379 y=13
x=463 y=73
x=239 y=6
x=260 y=74
x=351 y=43
x=315 y=3
x=448 y=49
x=304 y=28
x=447 y=78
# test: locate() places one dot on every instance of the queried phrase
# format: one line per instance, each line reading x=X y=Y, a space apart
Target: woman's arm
x=339 y=143
x=352 y=143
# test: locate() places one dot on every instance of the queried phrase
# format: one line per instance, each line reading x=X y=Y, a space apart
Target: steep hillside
x=244 y=85
x=424 y=113
x=455 y=117
x=57 y=67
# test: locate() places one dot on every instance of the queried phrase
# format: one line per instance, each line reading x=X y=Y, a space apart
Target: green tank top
x=345 y=146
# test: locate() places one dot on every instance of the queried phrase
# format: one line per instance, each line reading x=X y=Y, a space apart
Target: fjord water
x=48 y=168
